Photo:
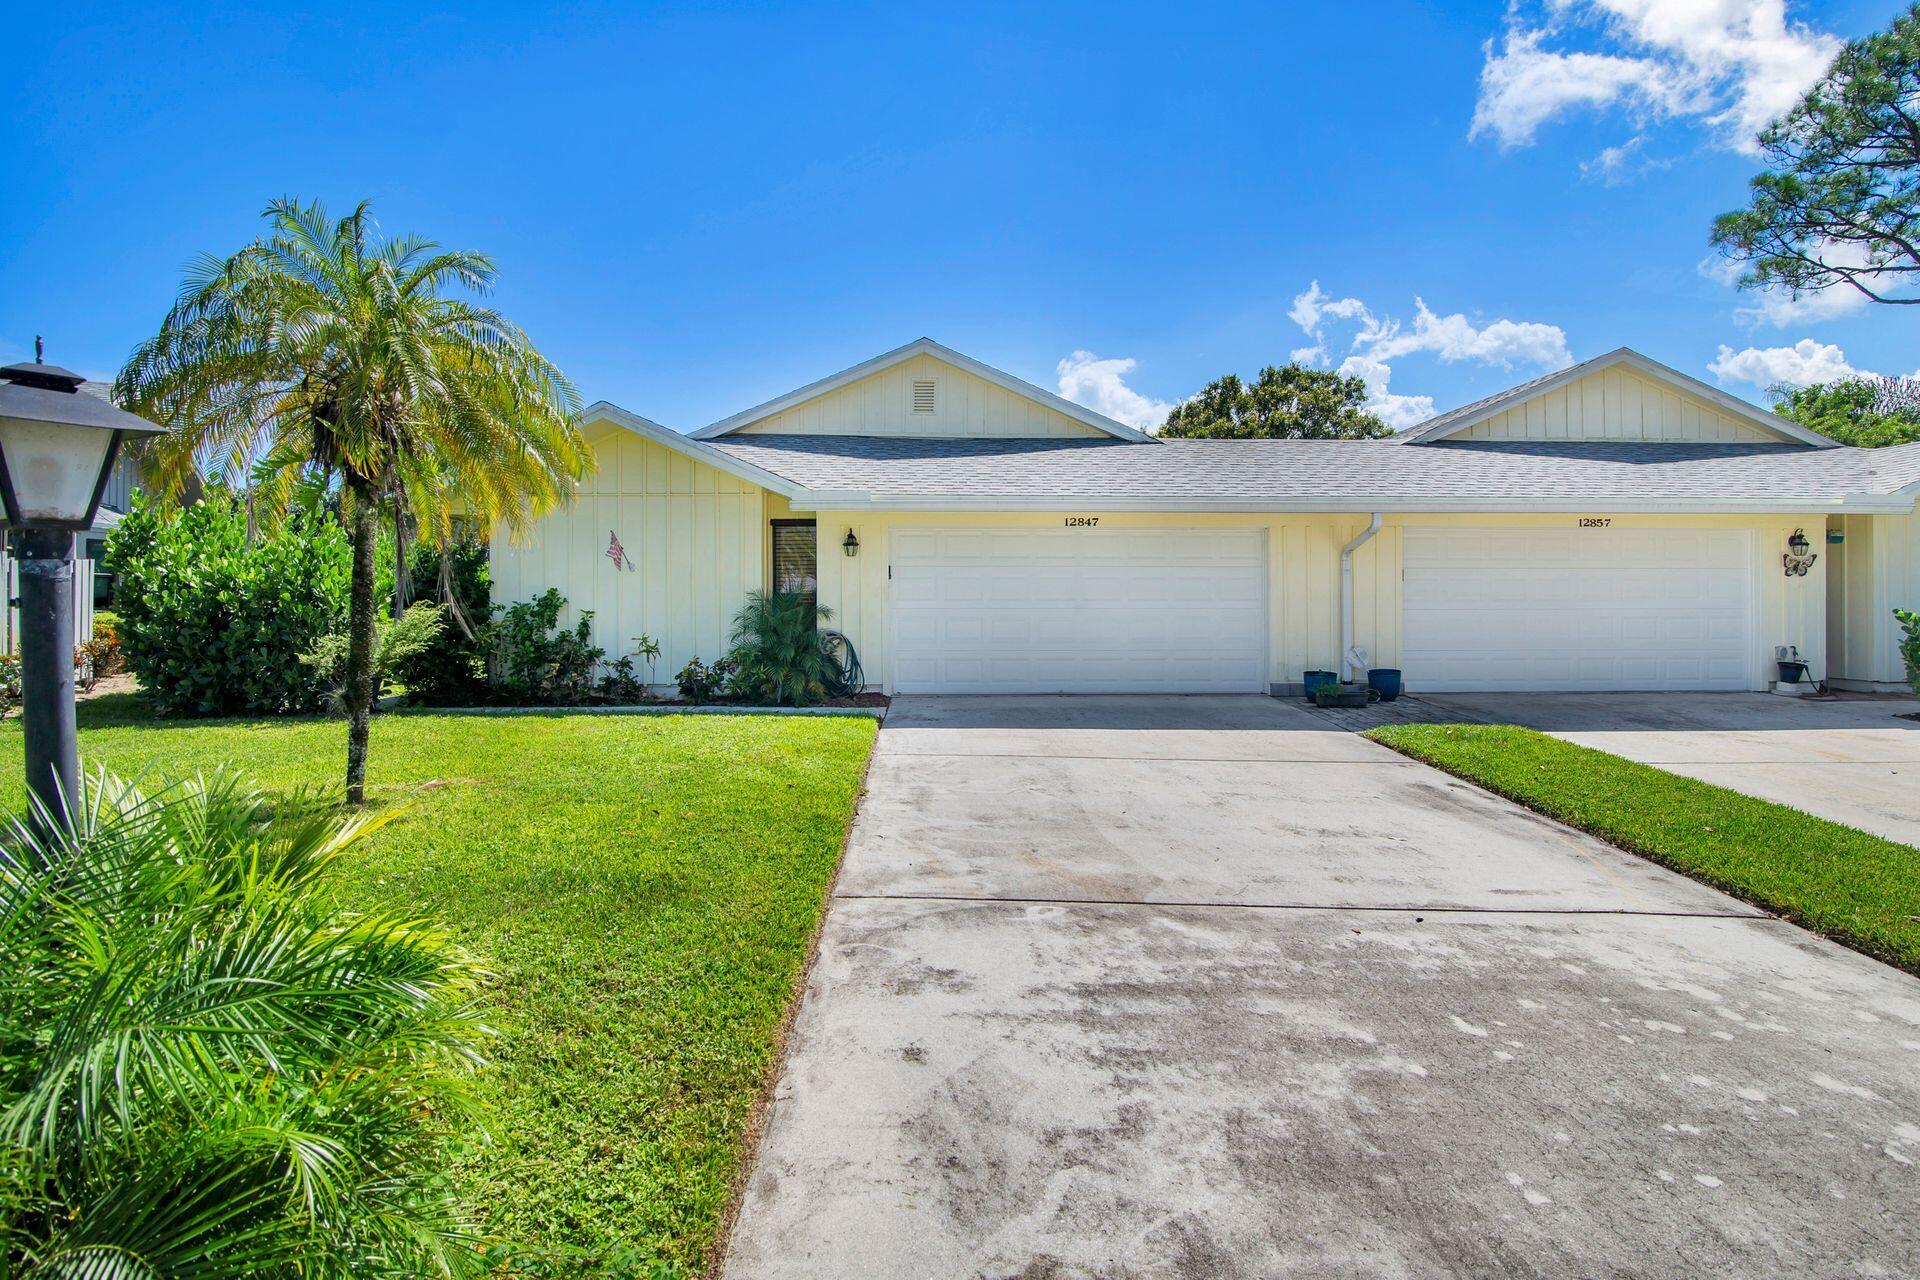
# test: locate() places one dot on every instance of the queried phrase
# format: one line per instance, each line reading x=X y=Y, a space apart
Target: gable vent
x=923 y=395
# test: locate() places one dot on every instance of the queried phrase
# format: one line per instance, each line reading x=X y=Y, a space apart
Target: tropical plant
x=396 y=642
x=1866 y=411
x=207 y=1069
x=452 y=671
x=214 y=622
x=781 y=657
x=1910 y=645
x=536 y=661
x=1291 y=402
x=1836 y=206
x=321 y=346
x=702 y=682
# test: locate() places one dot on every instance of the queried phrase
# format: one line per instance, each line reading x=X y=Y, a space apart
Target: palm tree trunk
x=363 y=530
x=402 y=585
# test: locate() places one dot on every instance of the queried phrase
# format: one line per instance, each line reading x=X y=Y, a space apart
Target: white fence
x=82 y=604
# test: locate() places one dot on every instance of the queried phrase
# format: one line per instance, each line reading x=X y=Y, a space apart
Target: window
x=795 y=558
x=923 y=395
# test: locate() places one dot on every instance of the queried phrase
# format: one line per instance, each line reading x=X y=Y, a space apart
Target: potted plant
x=1311 y=682
x=1344 y=695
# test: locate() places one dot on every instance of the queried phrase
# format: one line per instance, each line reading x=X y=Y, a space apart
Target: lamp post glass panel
x=57 y=448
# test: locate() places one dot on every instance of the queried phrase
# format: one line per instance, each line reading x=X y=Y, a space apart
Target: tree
x=320 y=346
x=1868 y=411
x=1837 y=205
x=1291 y=402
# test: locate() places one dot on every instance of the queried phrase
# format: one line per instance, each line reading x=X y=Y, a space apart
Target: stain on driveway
x=1198 y=987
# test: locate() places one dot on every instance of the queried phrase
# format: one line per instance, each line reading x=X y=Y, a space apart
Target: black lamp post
x=57 y=449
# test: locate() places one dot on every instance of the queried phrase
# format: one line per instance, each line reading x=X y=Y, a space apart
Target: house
x=1614 y=525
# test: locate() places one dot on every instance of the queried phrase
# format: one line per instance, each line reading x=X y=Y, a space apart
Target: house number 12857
x=1082 y=522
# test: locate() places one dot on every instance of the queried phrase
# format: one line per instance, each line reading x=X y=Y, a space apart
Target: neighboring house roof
x=923 y=347
x=1457 y=420
x=1343 y=475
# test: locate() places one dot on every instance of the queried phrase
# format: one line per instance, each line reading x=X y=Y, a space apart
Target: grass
x=645 y=887
x=1856 y=888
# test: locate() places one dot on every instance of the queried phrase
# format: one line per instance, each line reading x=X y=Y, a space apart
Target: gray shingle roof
x=1332 y=472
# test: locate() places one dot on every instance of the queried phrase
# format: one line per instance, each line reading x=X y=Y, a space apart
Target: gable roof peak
x=1457 y=420
x=924 y=346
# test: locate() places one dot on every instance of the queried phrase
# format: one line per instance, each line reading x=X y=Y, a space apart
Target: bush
x=452 y=671
x=1910 y=644
x=273 y=1081
x=781 y=657
x=214 y=624
x=536 y=662
x=701 y=683
x=395 y=641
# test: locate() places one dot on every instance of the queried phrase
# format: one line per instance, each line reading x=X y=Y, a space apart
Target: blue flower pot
x=1314 y=681
x=1386 y=680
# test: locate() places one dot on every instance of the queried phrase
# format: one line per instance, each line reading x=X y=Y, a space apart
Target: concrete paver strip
x=1000 y=1082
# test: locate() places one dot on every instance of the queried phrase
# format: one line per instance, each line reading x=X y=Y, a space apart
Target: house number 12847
x=1082 y=522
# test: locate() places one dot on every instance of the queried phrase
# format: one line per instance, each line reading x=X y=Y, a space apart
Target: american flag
x=616 y=552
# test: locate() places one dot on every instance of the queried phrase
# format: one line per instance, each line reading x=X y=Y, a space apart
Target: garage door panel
x=1082 y=610
x=1493 y=609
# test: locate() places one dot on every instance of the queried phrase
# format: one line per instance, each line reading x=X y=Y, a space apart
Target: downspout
x=1347 y=663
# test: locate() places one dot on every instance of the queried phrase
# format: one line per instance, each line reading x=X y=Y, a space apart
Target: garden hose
x=852 y=677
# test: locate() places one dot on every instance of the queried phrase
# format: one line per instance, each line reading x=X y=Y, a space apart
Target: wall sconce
x=851 y=545
x=1798 y=558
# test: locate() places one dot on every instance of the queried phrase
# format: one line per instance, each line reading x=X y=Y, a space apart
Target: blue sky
x=695 y=208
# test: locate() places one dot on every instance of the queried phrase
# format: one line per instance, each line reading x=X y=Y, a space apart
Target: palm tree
x=209 y=1069
x=321 y=346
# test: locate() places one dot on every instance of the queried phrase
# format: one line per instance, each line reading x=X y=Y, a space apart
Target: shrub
x=701 y=683
x=536 y=662
x=272 y=1082
x=781 y=656
x=452 y=671
x=214 y=623
x=9 y=682
x=395 y=642
x=623 y=681
x=1910 y=644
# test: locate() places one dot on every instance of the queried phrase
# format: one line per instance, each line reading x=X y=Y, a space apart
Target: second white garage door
x=1576 y=609
x=1058 y=610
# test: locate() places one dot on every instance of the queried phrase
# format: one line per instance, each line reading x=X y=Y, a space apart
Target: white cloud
x=1454 y=338
x=1397 y=411
x=1733 y=65
x=1803 y=364
x=1101 y=386
x=1615 y=166
x=1782 y=307
x=1378 y=340
x=1309 y=309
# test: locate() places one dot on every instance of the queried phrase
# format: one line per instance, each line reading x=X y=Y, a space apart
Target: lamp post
x=57 y=449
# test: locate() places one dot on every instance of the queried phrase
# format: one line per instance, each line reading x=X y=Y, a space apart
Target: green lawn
x=646 y=889
x=1856 y=888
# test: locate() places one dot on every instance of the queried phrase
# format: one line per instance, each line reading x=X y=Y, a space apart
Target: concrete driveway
x=1201 y=987
x=1854 y=760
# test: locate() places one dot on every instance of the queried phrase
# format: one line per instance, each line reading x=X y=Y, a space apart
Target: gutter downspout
x=1347 y=663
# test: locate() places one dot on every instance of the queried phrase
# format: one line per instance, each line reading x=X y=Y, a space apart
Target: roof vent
x=923 y=395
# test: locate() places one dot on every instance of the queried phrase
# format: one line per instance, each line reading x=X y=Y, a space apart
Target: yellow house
x=1614 y=525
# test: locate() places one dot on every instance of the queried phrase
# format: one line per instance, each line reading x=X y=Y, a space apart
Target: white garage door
x=1057 y=610
x=1576 y=609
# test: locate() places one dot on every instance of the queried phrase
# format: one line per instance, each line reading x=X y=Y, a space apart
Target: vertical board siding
x=695 y=536
x=1617 y=404
x=881 y=405
x=1877 y=571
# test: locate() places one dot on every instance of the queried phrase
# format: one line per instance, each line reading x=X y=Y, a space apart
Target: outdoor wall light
x=1798 y=558
x=851 y=544
x=57 y=449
